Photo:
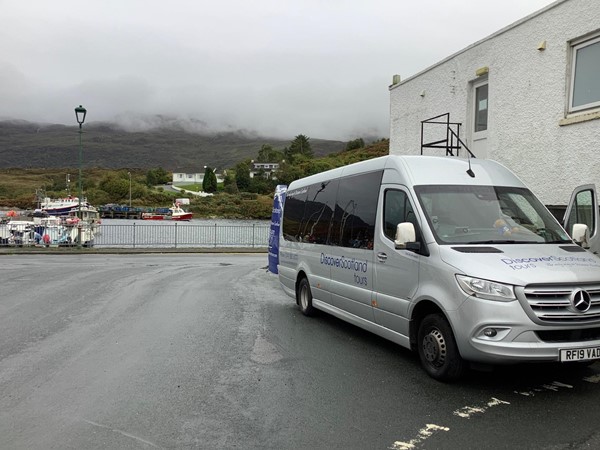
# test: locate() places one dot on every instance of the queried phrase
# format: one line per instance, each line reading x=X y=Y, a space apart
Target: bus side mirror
x=405 y=235
x=581 y=235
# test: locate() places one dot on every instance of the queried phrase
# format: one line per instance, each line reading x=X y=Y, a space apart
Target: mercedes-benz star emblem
x=581 y=300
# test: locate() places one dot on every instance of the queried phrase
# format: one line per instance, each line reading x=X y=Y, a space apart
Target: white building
x=527 y=96
x=191 y=176
x=266 y=169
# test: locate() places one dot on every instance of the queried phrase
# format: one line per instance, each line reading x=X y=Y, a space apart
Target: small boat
x=78 y=232
x=175 y=212
x=88 y=214
x=66 y=230
x=49 y=229
x=18 y=233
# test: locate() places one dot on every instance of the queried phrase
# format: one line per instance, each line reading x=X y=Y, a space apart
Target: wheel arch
x=300 y=276
x=419 y=312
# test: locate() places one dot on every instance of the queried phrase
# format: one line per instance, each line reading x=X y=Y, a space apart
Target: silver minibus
x=456 y=259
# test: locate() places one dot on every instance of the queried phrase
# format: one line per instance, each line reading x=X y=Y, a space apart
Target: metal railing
x=135 y=235
x=450 y=142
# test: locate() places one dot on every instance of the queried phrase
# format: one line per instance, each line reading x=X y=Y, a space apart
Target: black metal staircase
x=452 y=142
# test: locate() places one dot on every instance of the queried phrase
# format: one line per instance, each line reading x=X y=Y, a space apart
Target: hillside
x=29 y=145
x=18 y=186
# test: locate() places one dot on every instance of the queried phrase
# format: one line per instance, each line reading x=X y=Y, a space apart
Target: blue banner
x=276 y=216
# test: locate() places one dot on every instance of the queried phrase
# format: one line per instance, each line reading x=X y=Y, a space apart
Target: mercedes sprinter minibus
x=456 y=259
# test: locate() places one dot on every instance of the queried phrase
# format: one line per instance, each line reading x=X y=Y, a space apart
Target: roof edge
x=479 y=42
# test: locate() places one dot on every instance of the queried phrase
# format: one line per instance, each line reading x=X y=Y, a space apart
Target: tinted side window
x=293 y=212
x=355 y=211
x=320 y=203
x=396 y=209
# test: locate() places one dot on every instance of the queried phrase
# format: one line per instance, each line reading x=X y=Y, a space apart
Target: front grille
x=552 y=303
x=579 y=335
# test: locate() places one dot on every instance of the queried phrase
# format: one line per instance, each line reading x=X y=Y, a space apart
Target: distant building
x=527 y=96
x=266 y=169
x=191 y=176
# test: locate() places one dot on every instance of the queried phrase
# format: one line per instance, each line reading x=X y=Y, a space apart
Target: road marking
x=593 y=379
x=424 y=434
x=554 y=387
x=559 y=384
x=467 y=411
x=121 y=432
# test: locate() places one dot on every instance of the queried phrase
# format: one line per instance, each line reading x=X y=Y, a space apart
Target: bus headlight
x=490 y=290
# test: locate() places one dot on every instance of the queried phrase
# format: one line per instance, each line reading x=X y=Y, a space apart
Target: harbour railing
x=146 y=235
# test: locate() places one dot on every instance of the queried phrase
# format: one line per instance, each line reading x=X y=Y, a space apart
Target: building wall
x=528 y=91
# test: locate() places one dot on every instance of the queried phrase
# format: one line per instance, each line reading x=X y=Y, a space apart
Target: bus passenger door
x=396 y=276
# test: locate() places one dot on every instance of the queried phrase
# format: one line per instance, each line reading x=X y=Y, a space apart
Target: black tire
x=304 y=298
x=438 y=350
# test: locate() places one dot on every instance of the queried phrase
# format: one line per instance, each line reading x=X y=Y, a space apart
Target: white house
x=266 y=169
x=527 y=96
x=191 y=176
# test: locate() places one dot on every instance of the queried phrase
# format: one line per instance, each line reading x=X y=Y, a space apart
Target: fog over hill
x=137 y=142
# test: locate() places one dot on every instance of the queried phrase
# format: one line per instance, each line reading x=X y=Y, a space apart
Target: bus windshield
x=488 y=215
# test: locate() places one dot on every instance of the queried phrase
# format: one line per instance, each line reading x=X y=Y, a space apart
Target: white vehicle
x=453 y=258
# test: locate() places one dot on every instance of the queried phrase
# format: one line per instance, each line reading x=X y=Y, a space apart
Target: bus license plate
x=579 y=354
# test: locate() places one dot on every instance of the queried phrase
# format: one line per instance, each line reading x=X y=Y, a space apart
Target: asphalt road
x=205 y=351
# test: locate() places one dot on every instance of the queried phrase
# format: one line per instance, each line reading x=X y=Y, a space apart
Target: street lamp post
x=80 y=113
x=129 y=173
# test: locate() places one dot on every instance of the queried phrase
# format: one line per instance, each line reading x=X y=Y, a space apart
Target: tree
x=115 y=186
x=157 y=176
x=299 y=146
x=229 y=183
x=288 y=173
x=209 y=183
x=242 y=176
x=355 y=144
x=268 y=154
x=261 y=185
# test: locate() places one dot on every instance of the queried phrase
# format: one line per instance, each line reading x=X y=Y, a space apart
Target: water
x=122 y=233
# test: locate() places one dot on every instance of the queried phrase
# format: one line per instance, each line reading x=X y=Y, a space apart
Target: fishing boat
x=66 y=230
x=18 y=232
x=88 y=214
x=61 y=206
x=175 y=212
x=49 y=230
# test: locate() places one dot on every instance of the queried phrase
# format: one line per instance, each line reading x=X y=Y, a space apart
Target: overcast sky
x=279 y=67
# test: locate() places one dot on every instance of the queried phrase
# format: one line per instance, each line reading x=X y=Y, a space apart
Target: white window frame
x=484 y=133
x=575 y=46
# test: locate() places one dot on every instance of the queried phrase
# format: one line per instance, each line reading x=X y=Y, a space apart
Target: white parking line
x=554 y=387
x=467 y=411
x=593 y=379
x=424 y=434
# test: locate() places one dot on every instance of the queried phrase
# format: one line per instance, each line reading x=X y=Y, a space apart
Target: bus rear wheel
x=437 y=348
x=304 y=297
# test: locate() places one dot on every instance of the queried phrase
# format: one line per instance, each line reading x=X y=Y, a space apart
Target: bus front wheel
x=438 y=350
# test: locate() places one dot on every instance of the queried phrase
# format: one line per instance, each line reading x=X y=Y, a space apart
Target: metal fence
x=163 y=235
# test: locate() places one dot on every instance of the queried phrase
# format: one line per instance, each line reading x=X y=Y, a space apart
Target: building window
x=585 y=82
x=481 y=108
